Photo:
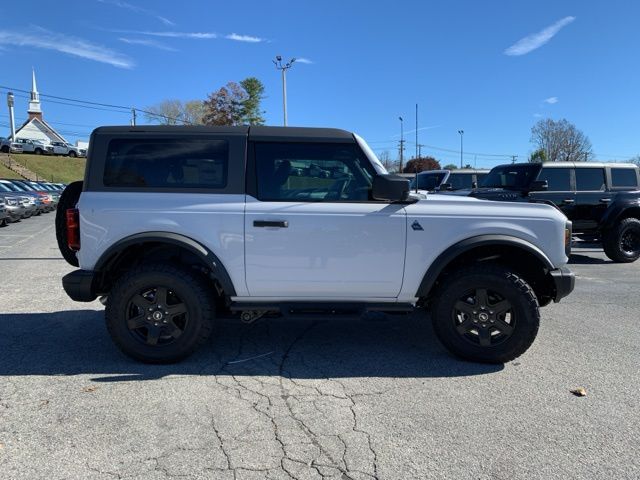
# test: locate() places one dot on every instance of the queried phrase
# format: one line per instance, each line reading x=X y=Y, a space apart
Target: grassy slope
x=6 y=173
x=50 y=168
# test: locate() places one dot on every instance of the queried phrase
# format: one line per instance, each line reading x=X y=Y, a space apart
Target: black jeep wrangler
x=601 y=199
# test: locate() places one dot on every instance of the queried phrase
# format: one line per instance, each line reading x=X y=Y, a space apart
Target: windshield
x=510 y=176
x=3 y=188
x=428 y=181
x=10 y=187
x=24 y=186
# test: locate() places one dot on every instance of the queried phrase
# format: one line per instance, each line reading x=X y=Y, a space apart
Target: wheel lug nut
x=148 y=318
x=151 y=309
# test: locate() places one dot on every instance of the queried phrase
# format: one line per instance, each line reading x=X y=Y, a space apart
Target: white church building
x=36 y=128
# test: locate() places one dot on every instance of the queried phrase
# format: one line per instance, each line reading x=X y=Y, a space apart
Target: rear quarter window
x=559 y=179
x=624 y=177
x=167 y=163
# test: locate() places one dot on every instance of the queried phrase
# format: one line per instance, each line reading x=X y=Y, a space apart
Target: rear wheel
x=622 y=242
x=68 y=199
x=159 y=313
x=486 y=314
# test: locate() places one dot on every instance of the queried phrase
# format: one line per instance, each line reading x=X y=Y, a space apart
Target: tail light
x=73 y=229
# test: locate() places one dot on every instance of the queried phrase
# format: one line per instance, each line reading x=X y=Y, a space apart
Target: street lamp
x=283 y=68
x=12 y=122
x=401 y=142
x=461 y=132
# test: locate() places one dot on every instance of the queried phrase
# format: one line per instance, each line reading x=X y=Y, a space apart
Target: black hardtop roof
x=569 y=165
x=254 y=132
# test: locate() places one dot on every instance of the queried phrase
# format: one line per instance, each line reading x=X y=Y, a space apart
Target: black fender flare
x=457 y=249
x=617 y=208
x=203 y=253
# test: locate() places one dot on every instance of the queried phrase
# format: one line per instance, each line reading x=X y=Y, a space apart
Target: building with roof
x=36 y=128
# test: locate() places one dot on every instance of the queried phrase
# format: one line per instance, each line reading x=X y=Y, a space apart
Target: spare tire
x=68 y=199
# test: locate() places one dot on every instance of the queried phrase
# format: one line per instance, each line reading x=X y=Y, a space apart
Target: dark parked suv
x=601 y=199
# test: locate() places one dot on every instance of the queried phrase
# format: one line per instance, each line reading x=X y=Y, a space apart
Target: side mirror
x=474 y=185
x=391 y=188
x=539 y=186
x=446 y=186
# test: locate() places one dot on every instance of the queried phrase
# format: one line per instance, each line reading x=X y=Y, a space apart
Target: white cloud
x=536 y=40
x=537 y=115
x=196 y=35
x=147 y=43
x=244 y=38
x=59 y=42
x=551 y=100
x=135 y=8
x=304 y=60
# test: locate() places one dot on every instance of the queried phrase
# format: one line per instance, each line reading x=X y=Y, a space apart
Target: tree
x=167 y=112
x=385 y=159
x=194 y=112
x=421 y=164
x=561 y=141
x=538 y=156
x=252 y=115
x=635 y=160
x=175 y=112
x=225 y=106
x=450 y=166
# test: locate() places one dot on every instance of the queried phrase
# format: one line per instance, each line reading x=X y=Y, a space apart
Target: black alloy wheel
x=157 y=316
x=483 y=317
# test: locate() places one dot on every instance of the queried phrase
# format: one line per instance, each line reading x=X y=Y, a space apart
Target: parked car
x=14 y=206
x=4 y=213
x=7 y=146
x=35 y=146
x=601 y=199
x=448 y=180
x=45 y=197
x=66 y=149
x=176 y=224
x=33 y=204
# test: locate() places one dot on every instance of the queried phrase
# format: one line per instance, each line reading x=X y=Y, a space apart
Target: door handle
x=568 y=200
x=270 y=223
x=605 y=200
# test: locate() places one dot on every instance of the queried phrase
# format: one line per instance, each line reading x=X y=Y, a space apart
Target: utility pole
x=513 y=158
x=133 y=117
x=461 y=132
x=417 y=154
x=12 y=120
x=420 y=150
x=283 y=68
x=401 y=142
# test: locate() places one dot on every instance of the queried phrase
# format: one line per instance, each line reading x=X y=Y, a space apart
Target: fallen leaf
x=89 y=389
x=1 y=446
x=44 y=403
x=579 y=392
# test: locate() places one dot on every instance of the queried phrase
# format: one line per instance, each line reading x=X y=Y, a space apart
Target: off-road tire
x=496 y=278
x=612 y=241
x=68 y=199
x=189 y=286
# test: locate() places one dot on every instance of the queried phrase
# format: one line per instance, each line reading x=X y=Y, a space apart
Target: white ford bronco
x=174 y=226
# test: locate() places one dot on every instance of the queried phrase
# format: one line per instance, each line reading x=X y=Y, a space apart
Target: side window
x=590 y=179
x=168 y=163
x=624 y=177
x=559 y=179
x=312 y=172
x=460 y=181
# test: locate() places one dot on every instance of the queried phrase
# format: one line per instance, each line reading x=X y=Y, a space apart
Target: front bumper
x=564 y=282
x=16 y=212
x=79 y=285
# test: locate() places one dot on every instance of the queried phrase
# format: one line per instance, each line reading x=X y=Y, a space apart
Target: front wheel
x=37 y=151
x=159 y=313
x=72 y=154
x=622 y=242
x=486 y=314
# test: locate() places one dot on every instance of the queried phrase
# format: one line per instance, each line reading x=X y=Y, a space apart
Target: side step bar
x=322 y=308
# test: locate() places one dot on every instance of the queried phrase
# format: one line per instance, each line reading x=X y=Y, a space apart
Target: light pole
x=283 y=68
x=12 y=121
x=461 y=132
x=401 y=142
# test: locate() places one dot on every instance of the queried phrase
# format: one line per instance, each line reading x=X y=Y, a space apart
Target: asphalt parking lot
x=310 y=399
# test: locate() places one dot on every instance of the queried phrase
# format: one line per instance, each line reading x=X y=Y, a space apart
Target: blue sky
x=491 y=68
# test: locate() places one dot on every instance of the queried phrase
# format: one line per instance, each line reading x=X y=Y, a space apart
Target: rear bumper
x=564 y=281
x=79 y=285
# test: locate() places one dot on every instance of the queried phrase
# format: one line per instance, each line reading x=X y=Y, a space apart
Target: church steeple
x=34 y=105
